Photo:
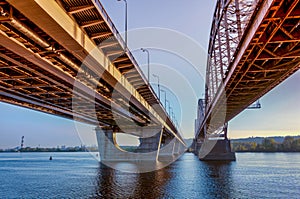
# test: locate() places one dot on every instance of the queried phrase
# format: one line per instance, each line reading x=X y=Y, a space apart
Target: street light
x=169 y=107
x=147 y=51
x=126 y=23
x=170 y=112
x=158 y=87
x=165 y=97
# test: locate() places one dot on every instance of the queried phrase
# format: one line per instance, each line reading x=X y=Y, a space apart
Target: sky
x=176 y=33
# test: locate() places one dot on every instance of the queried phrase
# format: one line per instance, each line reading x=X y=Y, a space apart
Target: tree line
x=38 y=149
x=289 y=144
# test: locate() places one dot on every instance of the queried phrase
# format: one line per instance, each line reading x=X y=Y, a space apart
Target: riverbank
x=38 y=149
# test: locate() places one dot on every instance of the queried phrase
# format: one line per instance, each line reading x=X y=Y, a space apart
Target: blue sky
x=192 y=20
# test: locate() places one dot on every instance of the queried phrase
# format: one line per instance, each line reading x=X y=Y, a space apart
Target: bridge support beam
x=216 y=150
x=196 y=145
x=166 y=149
x=109 y=150
x=106 y=144
x=149 y=144
x=178 y=148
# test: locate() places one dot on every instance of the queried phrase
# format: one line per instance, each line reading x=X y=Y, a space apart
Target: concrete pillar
x=182 y=149
x=176 y=147
x=196 y=146
x=149 y=144
x=216 y=150
x=166 y=149
x=110 y=151
x=106 y=144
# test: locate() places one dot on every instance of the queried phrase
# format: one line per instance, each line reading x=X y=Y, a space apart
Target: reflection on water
x=190 y=178
x=78 y=175
x=212 y=179
x=218 y=178
x=117 y=184
x=140 y=166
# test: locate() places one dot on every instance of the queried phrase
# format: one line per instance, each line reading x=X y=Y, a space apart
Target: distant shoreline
x=260 y=151
x=266 y=151
x=97 y=151
x=44 y=151
x=68 y=149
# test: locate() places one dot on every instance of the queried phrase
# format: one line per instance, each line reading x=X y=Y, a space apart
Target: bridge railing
x=231 y=19
x=118 y=36
x=121 y=41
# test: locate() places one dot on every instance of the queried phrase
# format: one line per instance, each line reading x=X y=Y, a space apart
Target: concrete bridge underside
x=66 y=58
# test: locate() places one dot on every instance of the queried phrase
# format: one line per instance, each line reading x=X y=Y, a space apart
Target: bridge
x=254 y=46
x=66 y=58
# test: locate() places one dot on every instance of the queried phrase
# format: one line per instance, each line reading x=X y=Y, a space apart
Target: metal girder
x=122 y=66
x=254 y=46
x=50 y=49
x=100 y=35
x=86 y=24
x=77 y=9
x=120 y=59
x=230 y=20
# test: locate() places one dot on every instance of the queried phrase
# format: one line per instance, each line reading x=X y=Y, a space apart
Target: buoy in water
x=50 y=158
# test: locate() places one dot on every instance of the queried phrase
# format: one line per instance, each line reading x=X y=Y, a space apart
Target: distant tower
x=22 y=142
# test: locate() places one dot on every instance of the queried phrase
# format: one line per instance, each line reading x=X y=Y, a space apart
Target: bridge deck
x=48 y=46
x=265 y=53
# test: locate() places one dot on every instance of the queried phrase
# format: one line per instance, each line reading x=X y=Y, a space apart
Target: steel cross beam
x=43 y=51
x=254 y=46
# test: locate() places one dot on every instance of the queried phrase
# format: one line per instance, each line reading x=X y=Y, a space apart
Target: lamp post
x=170 y=112
x=126 y=23
x=158 y=86
x=169 y=106
x=173 y=116
x=165 y=97
x=147 y=51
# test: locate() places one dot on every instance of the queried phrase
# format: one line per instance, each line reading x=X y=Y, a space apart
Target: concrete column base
x=216 y=150
x=149 y=144
x=178 y=148
x=166 y=150
x=110 y=151
x=196 y=146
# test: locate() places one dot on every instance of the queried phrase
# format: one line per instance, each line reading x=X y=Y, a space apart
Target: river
x=79 y=175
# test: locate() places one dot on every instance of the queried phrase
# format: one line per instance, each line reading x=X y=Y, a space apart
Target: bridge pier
x=196 y=145
x=216 y=150
x=166 y=149
x=149 y=144
x=178 y=148
x=106 y=139
x=182 y=149
x=148 y=150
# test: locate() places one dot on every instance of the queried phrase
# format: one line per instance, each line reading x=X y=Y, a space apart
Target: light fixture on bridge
x=255 y=105
x=147 y=51
x=126 y=24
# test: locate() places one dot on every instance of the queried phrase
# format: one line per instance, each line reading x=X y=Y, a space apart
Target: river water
x=79 y=175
